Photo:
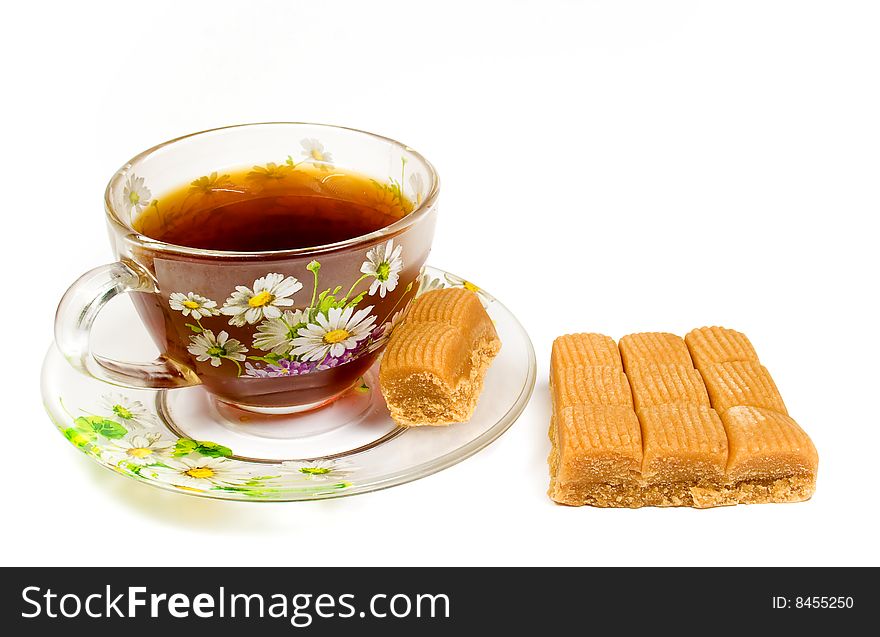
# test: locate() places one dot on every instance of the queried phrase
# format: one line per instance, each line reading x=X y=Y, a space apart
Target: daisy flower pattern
x=336 y=361
x=255 y=371
x=200 y=473
x=286 y=367
x=384 y=263
x=388 y=200
x=209 y=183
x=332 y=330
x=314 y=152
x=269 y=294
x=139 y=449
x=135 y=195
x=270 y=171
x=333 y=334
x=276 y=335
x=207 y=347
x=382 y=333
x=462 y=283
x=428 y=283
x=131 y=413
x=159 y=456
x=417 y=183
x=318 y=469
x=195 y=304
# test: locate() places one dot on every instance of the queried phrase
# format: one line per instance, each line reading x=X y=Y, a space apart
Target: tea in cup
x=268 y=262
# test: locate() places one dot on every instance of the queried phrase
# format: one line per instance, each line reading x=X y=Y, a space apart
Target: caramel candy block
x=596 y=456
x=654 y=385
x=713 y=345
x=454 y=306
x=741 y=383
x=585 y=350
x=657 y=348
x=771 y=459
x=605 y=385
x=683 y=443
x=432 y=370
x=714 y=436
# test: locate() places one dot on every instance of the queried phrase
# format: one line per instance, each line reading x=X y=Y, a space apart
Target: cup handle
x=76 y=313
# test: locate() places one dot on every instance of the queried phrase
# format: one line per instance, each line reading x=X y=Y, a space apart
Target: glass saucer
x=184 y=440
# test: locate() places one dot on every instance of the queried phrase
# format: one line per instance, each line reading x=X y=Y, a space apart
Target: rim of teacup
x=417 y=213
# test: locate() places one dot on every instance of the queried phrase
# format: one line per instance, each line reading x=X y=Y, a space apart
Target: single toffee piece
x=433 y=367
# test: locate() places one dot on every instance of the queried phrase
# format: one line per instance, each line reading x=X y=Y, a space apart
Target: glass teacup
x=272 y=331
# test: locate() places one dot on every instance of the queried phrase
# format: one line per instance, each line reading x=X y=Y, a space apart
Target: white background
x=606 y=166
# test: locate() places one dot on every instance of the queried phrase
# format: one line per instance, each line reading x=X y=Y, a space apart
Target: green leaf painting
x=78 y=437
x=187 y=446
x=101 y=426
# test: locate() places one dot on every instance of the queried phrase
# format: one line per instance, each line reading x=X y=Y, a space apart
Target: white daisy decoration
x=417 y=184
x=192 y=303
x=384 y=263
x=206 y=346
x=135 y=195
x=139 y=448
x=131 y=413
x=398 y=316
x=318 y=469
x=428 y=283
x=388 y=328
x=457 y=281
x=208 y=184
x=269 y=172
x=269 y=294
x=314 y=152
x=276 y=335
x=333 y=334
x=199 y=473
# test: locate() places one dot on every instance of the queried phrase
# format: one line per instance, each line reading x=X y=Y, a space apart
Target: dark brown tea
x=272 y=207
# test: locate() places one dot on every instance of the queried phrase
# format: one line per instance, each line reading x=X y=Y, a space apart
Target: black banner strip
x=286 y=601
